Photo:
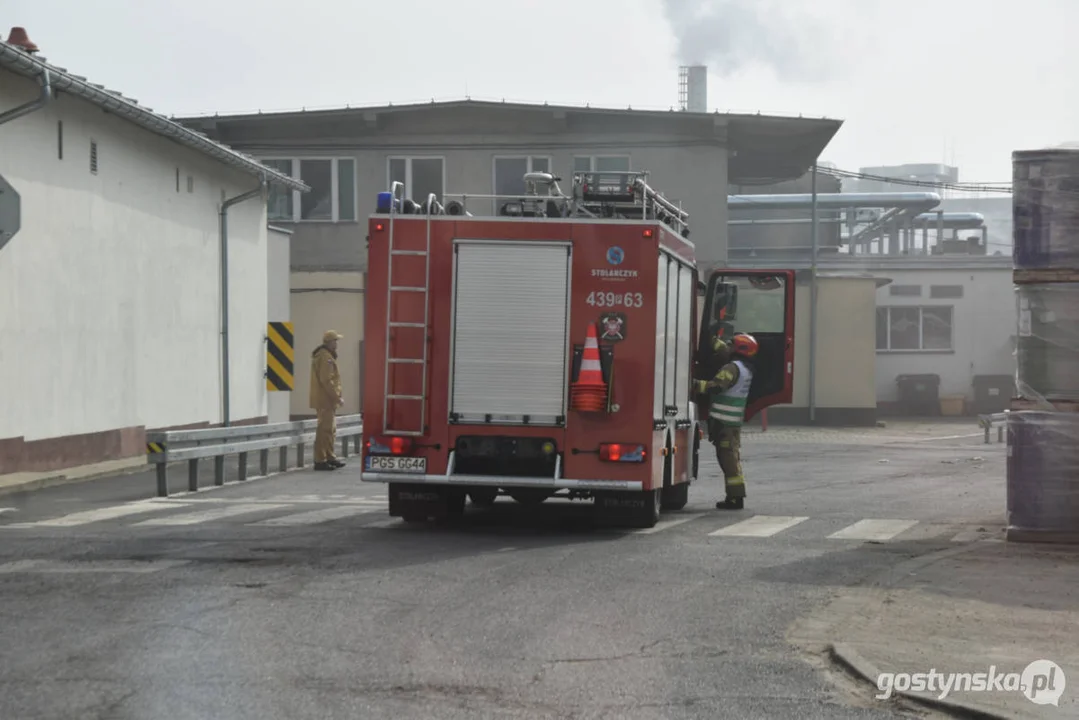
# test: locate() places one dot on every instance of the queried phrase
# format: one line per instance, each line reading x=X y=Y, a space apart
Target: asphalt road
x=295 y=596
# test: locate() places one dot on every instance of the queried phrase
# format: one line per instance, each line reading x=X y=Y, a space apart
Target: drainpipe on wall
x=813 y=303
x=225 y=370
x=25 y=109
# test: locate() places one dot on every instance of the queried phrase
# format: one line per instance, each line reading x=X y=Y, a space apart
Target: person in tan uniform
x=325 y=398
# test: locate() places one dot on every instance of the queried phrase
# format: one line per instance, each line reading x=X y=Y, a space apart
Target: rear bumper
x=557 y=482
x=502 y=481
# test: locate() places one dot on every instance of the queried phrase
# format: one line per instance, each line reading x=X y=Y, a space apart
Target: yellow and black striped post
x=279 y=357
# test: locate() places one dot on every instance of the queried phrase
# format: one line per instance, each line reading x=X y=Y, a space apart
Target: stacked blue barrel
x=1043 y=425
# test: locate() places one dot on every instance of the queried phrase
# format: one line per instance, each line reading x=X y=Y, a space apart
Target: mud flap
x=627 y=508
x=418 y=502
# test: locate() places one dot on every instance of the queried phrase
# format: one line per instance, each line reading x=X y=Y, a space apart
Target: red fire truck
x=482 y=335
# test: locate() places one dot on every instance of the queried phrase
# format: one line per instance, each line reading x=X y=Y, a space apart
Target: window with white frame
x=601 y=163
x=914 y=328
x=421 y=176
x=332 y=197
x=509 y=173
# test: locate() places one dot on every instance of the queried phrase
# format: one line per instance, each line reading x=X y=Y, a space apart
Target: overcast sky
x=914 y=80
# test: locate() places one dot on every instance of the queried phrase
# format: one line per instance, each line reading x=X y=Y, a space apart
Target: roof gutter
x=28 y=66
x=27 y=108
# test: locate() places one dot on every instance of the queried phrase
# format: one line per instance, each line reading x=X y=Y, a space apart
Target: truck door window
x=761 y=306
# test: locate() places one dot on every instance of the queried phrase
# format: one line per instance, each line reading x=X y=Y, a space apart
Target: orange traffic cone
x=589 y=393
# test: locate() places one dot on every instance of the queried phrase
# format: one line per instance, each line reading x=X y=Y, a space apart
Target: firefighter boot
x=728 y=453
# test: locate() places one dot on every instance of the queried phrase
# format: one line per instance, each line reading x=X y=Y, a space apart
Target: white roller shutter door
x=510 y=353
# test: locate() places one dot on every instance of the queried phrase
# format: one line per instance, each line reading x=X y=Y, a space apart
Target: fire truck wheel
x=696 y=457
x=653 y=502
x=675 y=497
x=483 y=497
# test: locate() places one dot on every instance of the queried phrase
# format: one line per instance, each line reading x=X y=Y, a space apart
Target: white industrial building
x=944 y=300
x=111 y=290
x=952 y=317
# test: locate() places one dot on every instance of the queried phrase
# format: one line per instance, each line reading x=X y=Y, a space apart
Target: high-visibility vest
x=729 y=407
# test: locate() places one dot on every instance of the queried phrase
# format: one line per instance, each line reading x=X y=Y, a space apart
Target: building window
x=421 y=176
x=93 y=157
x=905 y=291
x=318 y=203
x=914 y=329
x=509 y=174
x=332 y=197
x=942 y=292
x=280 y=204
x=60 y=139
x=601 y=163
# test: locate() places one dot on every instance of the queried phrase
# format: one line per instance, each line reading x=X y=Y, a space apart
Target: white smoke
x=731 y=35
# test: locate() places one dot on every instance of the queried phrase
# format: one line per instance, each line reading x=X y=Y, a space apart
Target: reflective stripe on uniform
x=729 y=407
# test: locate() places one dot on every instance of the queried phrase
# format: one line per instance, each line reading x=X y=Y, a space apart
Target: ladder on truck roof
x=388 y=394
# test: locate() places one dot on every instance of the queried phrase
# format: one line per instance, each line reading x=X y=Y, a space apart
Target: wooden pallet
x=1062 y=406
x=1050 y=275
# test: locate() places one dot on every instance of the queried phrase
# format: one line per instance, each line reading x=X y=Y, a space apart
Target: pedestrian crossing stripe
x=279 y=357
x=759 y=526
x=873 y=530
x=154 y=448
x=370 y=513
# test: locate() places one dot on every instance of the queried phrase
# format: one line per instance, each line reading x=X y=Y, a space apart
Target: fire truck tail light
x=389 y=446
x=648 y=233
x=621 y=452
x=379 y=227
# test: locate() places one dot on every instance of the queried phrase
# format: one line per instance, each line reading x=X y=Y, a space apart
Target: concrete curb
x=60 y=478
x=853 y=662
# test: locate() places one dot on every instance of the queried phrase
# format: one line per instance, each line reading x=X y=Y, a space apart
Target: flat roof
x=38 y=69
x=764 y=148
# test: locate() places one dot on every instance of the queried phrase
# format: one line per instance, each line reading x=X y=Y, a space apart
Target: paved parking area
x=296 y=595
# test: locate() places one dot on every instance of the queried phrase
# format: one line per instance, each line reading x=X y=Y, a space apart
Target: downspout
x=25 y=109
x=813 y=304
x=225 y=370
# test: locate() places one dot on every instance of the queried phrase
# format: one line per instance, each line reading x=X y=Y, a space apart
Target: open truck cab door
x=760 y=303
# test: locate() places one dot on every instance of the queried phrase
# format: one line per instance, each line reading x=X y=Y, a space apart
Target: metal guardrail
x=997 y=420
x=170 y=446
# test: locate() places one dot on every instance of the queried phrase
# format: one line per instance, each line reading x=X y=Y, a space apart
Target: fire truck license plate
x=378 y=463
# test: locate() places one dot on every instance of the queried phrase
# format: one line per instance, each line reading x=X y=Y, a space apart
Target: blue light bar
x=385 y=202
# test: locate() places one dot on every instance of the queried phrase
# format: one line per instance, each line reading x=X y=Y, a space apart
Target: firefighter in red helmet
x=728 y=393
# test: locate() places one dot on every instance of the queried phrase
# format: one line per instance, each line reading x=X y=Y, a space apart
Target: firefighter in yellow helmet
x=728 y=393
x=325 y=398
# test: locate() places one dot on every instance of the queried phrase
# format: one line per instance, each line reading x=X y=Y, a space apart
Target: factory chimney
x=693 y=88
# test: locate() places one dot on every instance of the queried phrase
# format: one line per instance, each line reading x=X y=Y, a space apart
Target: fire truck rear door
x=510 y=332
